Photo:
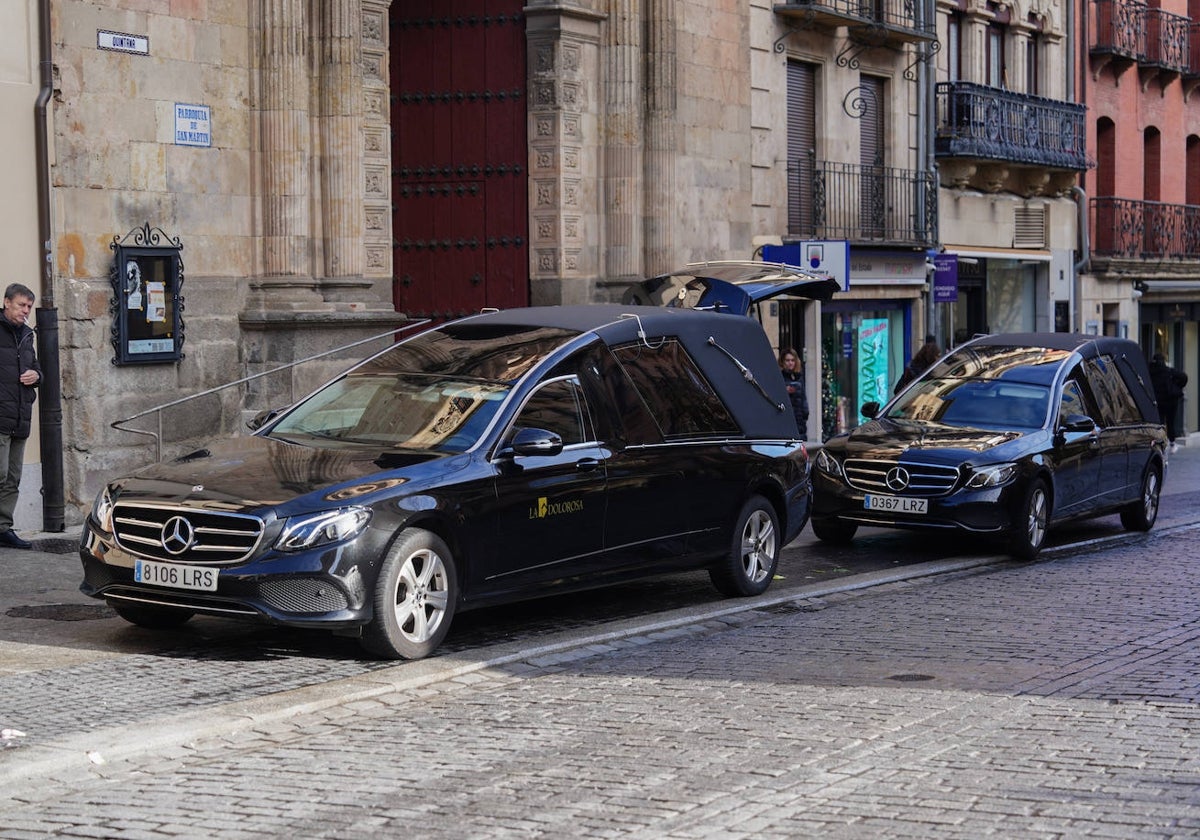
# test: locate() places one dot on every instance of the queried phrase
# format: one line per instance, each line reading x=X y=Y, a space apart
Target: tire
x=414 y=599
x=1141 y=515
x=753 y=552
x=1029 y=532
x=834 y=531
x=152 y=618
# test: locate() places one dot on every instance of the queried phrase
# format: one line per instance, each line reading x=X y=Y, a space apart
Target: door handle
x=587 y=464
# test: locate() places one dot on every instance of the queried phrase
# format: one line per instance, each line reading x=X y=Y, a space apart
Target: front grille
x=923 y=479
x=216 y=538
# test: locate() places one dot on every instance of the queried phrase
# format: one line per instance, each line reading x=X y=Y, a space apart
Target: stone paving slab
x=776 y=722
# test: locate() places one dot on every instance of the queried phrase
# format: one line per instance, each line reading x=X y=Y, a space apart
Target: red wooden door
x=459 y=157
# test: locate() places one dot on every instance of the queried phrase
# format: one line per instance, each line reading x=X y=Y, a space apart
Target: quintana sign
x=873 y=375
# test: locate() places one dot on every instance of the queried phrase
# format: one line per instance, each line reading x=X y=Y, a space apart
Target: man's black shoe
x=11 y=539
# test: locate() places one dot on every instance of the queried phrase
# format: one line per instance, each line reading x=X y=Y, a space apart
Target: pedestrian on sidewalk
x=793 y=377
x=921 y=361
x=20 y=374
x=1168 y=391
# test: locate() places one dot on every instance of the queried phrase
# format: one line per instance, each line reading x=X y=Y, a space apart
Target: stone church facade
x=654 y=131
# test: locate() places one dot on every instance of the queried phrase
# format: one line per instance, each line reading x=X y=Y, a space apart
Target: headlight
x=993 y=475
x=828 y=464
x=102 y=510
x=330 y=526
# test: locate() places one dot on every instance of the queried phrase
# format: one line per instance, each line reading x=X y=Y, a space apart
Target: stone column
x=622 y=137
x=284 y=148
x=660 y=138
x=339 y=124
x=566 y=221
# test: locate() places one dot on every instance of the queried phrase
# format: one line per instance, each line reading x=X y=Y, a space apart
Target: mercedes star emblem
x=177 y=535
x=897 y=479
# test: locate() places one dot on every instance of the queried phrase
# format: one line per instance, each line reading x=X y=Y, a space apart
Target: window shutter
x=1030 y=227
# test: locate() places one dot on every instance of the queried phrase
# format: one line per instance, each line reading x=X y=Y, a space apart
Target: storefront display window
x=862 y=356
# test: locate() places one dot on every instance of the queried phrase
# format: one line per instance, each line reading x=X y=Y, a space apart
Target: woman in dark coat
x=921 y=361
x=793 y=376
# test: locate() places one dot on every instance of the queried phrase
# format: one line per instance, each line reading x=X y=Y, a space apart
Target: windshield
x=398 y=410
x=974 y=403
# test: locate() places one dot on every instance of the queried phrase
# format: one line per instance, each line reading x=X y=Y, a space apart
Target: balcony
x=1126 y=228
x=1124 y=33
x=877 y=205
x=873 y=23
x=993 y=139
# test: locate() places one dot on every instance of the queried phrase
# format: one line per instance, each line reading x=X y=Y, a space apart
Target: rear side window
x=676 y=393
x=1117 y=406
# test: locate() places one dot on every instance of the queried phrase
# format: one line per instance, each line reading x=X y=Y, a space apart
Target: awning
x=1033 y=254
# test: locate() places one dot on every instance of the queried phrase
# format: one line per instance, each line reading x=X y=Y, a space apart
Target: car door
x=1079 y=453
x=549 y=509
x=1120 y=421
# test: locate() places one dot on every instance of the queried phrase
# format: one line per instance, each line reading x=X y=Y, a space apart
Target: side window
x=558 y=407
x=674 y=390
x=1116 y=403
x=1075 y=400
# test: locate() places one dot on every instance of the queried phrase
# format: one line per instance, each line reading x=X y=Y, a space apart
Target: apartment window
x=1033 y=49
x=1193 y=170
x=1106 y=157
x=802 y=144
x=996 y=43
x=1152 y=165
x=954 y=27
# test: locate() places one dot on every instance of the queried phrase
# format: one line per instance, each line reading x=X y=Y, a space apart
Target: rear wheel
x=415 y=597
x=1141 y=515
x=1029 y=532
x=152 y=618
x=834 y=530
x=753 y=553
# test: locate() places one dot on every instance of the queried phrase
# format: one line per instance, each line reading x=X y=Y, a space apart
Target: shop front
x=868 y=334
x=1172 y=328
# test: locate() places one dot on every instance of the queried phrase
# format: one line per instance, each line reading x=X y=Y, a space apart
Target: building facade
x=326 y=172
x=1138 y=70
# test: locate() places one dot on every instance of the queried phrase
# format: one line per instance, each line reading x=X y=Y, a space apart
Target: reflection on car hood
x=888 y=439
x=252 y=472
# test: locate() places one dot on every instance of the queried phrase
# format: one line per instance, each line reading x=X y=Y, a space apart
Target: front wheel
x=415 y=597
x=1141 y=515
x=753 y=552
x=1029 y=532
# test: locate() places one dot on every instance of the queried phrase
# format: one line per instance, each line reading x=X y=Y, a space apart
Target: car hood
x=886 y=439
x=250 y=473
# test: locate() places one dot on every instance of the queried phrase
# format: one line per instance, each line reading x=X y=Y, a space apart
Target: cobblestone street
x=1058 y=699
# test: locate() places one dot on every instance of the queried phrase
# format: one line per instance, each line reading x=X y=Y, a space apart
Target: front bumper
x=993 y=510
x=324 y=587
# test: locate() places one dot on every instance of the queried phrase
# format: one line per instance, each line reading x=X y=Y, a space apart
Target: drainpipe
x=50 y=414
x=1085 y=254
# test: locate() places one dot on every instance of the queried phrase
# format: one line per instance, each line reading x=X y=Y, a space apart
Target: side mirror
x=1077 y=423
x=870 y=410
x=529 y=441
x=263 y=418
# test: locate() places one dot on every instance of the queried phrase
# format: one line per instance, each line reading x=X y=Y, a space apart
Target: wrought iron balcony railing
x=881 y=204
x=979 y=121
x=898 y=15
x=1119 y=28
x=1166 y=41
x=1126 y=227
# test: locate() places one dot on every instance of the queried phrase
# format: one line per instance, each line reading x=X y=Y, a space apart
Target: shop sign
x=945 y=278
x=873 y=375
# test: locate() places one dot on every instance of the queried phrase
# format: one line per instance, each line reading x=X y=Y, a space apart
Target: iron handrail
x=158 y=409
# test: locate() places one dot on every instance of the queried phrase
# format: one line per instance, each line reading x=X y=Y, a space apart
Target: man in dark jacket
x=19 y=377
x=1168 y=391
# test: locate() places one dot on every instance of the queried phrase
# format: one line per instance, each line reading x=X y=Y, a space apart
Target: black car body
x=1004 y=436
x=500 y=457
